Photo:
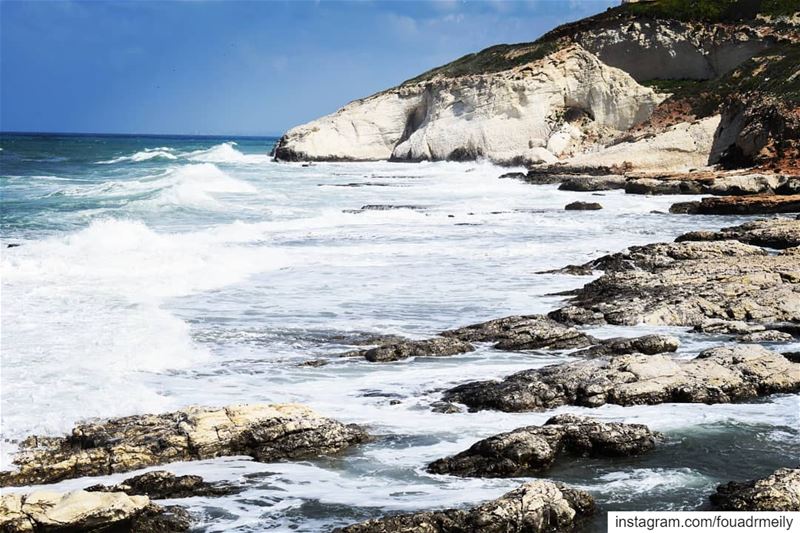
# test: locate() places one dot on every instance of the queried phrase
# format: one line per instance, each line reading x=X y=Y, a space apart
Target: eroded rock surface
x=780 y=233
x=717 y=375
x=266 y=432
x=779 y=491
x=534 y=448
x=529 y=332
x=740 y=205
x=160 y=485
x=688 y=283
x=536 y=506
x=646 y=344
x=55 y=512
x=396 y=351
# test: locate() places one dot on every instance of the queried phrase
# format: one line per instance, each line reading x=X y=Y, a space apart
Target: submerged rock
x=646 y=344
x=740 y=205
x=534 y=448
x=160 y=485
x=778 y=233
x=537 y=506
x=593 y=183
x=688 y=283
x=717 y=375
x=88 y=511
x=436 y=347
x=528 y=332
x=779 y=491
x=265 y=432
x=583 y=206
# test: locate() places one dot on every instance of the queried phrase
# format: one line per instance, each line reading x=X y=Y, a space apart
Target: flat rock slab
x=646 y=344
x=779 y=491
x=528 y=332
x=718 y=375
x=780 y=233
x=720 y=184
x=536 y=506
x=160 y=485
x=534 y=448
x=688 y=283
x=740 y=205
x=592 y=183
x=396 y=351
x=265 y=432
x=87 y=511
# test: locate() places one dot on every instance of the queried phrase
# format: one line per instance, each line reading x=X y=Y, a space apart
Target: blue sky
x=249 y=68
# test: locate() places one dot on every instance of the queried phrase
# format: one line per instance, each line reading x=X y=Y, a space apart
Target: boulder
x=740 y=205
x=54 y=512
x=534 y=448
x=592 y=183
x=769 y=335
x=779 y=491
x=583 y=206
x=537 y=506
x=265 y=432
x=780 y=233
x=160 y=485
x=687 y=284
x=436 y=347
x=646 y=344
x=529 y=332
x=717 y=375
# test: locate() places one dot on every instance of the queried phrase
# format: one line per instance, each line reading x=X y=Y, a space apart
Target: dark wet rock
x=13 y=245
x=583 y=206
x=265 y=432
x=534 y=448
x=314 y=363
x=446 y=408
x=395 y=351
x=593 y=183
x=688 y=283
x=779 y=491
x=537 y=506
x=571 y=270
x=513 y=176
x=92 y=512
x=780 y=233
x=727 y=327
x=716 y=183
x=387 y=207
x=160 y=485
x=740 y=205
x=718 y=375
x=769 y=335
x=529 y=332
x=655 y=186
x=646 y=344
x=794 y=357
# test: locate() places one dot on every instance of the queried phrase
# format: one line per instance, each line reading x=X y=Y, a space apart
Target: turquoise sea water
x=150 y=273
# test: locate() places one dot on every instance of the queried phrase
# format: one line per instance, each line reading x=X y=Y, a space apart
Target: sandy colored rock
x=534 y=448
x=780 y=233
x=528 y=332
x=779 y=491
x=769 y=335
x=87 y=511
x=717 y=375
x=646 y=344
x=536 y=506
x=740 y=205
x=266 y=432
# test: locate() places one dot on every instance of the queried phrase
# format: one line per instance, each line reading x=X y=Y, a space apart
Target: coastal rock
x=717 y=183
x=529 y=332
x=727 y=327
x=54 y=512
x=646 y=344
x=160 y=485
x=265 y=432
x=593 y=183
x=718 y=375
x=740 y=205
x=779 y=491
x=447 y=118
x=537 y=506
x=583 y=206
x=780 y=233
x=534 y=448
x=436 y=347
x=688 y=283
x=769 y=335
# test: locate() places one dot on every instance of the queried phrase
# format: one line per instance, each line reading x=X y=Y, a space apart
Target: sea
x=143 y=274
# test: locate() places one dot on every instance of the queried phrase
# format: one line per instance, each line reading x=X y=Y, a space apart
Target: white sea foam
x=227 y=153
x=145 y=155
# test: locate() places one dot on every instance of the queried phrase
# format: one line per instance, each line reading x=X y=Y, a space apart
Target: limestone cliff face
x=533 y=112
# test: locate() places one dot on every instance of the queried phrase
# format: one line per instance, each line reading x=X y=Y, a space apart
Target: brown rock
x=779 y=491
x=160 y=485
x=740 y=205
x=529 y=332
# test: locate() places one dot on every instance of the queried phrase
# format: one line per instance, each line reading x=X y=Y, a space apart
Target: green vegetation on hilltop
x=713 y=10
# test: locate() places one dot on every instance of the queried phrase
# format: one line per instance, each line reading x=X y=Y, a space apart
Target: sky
x=235 y=67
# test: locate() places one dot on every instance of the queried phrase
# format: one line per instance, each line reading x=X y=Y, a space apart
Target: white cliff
x=535 y=112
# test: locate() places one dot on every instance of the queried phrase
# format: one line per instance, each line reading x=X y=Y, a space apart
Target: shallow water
x=154 y=273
